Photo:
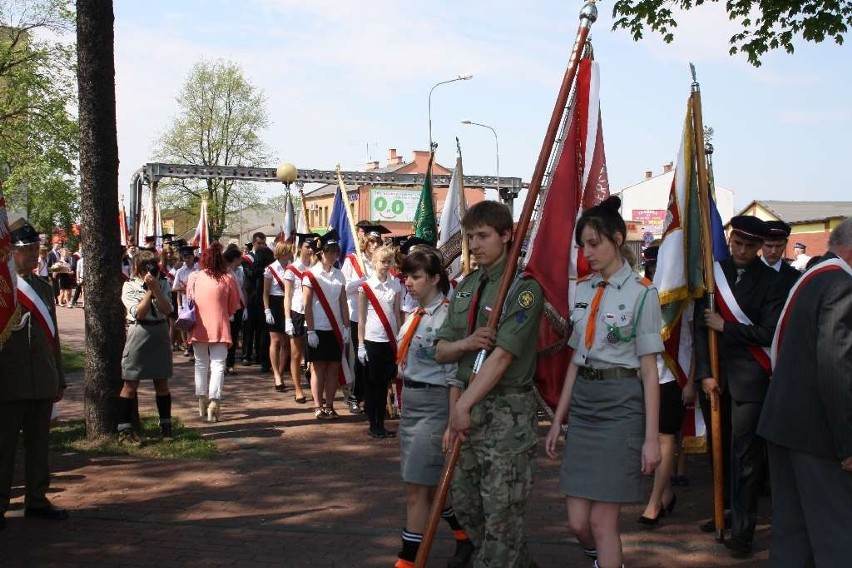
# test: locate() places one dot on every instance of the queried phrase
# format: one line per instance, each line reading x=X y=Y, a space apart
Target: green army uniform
x=493 y=477
x=32 y=377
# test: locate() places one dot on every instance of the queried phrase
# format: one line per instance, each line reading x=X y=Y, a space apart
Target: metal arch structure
x=151 y=173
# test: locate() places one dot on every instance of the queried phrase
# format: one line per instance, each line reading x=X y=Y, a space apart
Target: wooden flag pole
x=707 y=253
x=588 y=15
x=465 y=252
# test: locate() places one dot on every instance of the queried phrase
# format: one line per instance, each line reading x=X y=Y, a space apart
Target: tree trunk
x=99 y=183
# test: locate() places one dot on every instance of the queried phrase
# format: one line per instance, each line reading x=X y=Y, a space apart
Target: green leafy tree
x=38 y=133
x=767 y=24
x=220 y=117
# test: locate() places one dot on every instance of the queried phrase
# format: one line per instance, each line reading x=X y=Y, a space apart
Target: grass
x=72 y=359
x=187 y=443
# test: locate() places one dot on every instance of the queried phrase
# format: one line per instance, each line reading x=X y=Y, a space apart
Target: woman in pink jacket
x=216 y=297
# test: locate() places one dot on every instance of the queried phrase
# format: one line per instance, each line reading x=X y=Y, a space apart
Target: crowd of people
x=391 y=313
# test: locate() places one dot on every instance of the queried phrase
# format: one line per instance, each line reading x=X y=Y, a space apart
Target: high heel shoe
x=202 y=406
x=669 y=509
x=213 y=411
x=651 y=522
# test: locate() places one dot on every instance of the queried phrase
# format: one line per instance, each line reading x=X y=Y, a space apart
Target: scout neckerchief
x=34 y=304
x=380 y=311
x=825 y=266
x=274 y=274
x=732 y=312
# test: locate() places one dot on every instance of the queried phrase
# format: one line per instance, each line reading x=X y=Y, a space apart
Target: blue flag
x=717 y=229
x=340 y=221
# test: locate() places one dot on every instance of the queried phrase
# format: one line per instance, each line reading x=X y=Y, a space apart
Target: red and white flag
x=8 y=292
x=123 y=233
x=202 y=231
x=577 y=182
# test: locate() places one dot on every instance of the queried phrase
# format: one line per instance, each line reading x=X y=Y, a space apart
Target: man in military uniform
x=495 y=415
x=750 y=297
x=33 y=380
x=773 y=252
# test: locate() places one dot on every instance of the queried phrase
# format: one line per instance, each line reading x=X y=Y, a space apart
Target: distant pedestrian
x=273 y=311
x=294 y=309
x=807 y=416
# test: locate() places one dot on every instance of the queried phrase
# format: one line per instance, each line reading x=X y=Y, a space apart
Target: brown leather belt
x=592 y=374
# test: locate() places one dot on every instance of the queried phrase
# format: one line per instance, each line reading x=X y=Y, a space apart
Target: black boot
x=461 y=557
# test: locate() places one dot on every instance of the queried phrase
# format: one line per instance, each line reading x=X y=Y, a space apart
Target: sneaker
x=461 y=557
x=129 y=438
x=331 y=414
x=355 y=408
x=319 y=413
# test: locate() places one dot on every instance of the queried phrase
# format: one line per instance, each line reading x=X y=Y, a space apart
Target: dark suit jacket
x=809 y=404
x=789 y=276
x=761 y=296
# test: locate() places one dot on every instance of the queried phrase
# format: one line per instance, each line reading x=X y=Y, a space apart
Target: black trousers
x=76 y=296
x=236 y=326
x=33 y=417
x=748 y=467
x=811 y=510
x=381 y=369
x=725 y=416
x=360 y=371
x=255 y=337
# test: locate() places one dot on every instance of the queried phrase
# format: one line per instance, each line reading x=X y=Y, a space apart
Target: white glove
x=362 y=354
x=270 y=319
x=288 y=327
x=313 y=339
x=245 y=314
x=346 y=335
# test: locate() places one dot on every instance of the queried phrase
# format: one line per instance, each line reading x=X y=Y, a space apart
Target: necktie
x=593 y=315
x=740 y=272
x=402 y=352
x=473 y=314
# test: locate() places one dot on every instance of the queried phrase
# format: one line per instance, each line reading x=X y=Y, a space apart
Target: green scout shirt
x=517 y=332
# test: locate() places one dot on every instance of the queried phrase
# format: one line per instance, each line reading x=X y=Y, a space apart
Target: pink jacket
x=215 y=301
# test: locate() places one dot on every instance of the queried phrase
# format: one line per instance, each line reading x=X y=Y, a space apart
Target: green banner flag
x=425 y=226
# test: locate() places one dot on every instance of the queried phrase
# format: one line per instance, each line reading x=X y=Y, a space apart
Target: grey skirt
x=425 y=412
x=603 y=447
x=147 y=353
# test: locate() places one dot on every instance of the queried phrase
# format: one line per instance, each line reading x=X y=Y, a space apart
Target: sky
x=345 y=81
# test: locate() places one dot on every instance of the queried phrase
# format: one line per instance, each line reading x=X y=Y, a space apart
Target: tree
x=38 y=134
x=99 y=180
x=218 y=123
x=767 y=24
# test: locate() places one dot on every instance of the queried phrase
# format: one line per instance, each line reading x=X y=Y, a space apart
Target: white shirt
x=386 y=293
x=290 y=274
x=240 y=277
x=181 y=278
x=776 y=266
x=332 y=284
x=801 y=262
x=353 y=282
x=275 y=288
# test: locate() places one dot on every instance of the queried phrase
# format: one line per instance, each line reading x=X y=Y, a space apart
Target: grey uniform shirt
x=619 y=318
x=420 y=364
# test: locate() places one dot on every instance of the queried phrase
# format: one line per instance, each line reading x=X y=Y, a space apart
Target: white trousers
x=210 y=362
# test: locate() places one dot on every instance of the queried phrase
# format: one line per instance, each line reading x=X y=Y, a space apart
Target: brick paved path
x=289 y=491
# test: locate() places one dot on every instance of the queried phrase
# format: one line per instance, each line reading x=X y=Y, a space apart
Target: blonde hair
x=283 y=248
x=383 y=253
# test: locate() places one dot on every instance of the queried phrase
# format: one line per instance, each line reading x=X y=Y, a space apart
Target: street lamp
x=286 y=174
x=459 y=78
x=496 y=145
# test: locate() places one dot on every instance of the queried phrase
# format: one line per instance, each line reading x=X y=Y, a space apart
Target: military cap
x=777 y=229
x=187 y=250
x=330 y=238
x=412 y=242
x=800 y=246
x=749 y=227
x=649 y=255
x=304 y=237
x=375 y=230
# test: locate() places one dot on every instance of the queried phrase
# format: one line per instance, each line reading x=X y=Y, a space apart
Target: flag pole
x=710 y=282
x=588 y=15
x=301 y=188
x=465 y=253
x=342 y=185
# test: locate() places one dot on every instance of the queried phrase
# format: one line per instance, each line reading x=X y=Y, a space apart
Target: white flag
x=450 y=229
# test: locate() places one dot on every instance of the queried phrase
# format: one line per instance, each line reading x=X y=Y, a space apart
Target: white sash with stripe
x=30 y=299
x=730 y=301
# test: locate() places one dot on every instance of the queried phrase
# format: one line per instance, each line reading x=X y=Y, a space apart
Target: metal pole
x=508 y=199
x=459 y=78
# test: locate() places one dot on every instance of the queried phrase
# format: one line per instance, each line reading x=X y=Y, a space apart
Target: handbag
x=186 y=314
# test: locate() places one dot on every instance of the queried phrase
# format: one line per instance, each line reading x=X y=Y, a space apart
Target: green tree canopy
x=220 y=116
x=38 y=133
x=767 y=24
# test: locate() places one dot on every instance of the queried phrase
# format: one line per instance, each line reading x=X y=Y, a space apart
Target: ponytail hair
x=605 y=220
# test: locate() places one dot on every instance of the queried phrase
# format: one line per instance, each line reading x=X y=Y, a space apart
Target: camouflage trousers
x=492 y=482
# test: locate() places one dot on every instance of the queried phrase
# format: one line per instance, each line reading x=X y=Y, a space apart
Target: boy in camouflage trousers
x=495 y=415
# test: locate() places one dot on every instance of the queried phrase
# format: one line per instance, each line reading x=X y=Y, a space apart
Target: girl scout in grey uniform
x=612 y=437
x=425 y=400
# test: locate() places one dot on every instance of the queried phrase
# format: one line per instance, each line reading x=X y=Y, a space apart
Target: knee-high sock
x=449 y=515
x=164 y=408
x=125 y=413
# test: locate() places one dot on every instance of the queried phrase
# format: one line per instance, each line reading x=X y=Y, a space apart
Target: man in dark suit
x=33 y=380
x=807 y=417
x=749 y=299
x=773 y=252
